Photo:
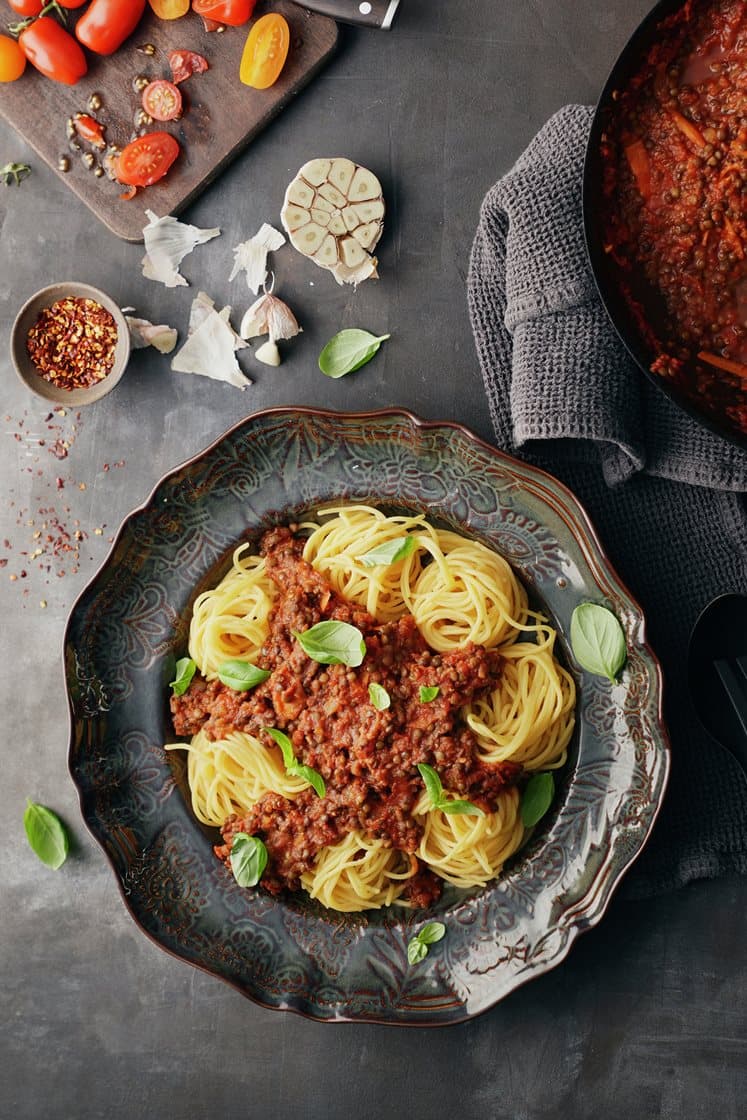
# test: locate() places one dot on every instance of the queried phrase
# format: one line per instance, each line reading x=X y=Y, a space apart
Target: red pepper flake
x=3 y=562
x=60 y=483
x=72 y=343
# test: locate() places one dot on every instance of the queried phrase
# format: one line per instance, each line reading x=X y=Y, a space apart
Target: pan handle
x=369 y=13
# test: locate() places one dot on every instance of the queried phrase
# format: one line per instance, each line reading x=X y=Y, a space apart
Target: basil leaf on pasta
x=537 y=798
x=248 y=859
x=241 y=675
x=379 y=697
x=282 y=740
x=432 y=783
x=389 y=552
x=458 y=806
x=598 y=640
x=291 y=763
x=333 y=643
x=183 y=673
x=315 y=779
x=46 y=834
x=428 y=693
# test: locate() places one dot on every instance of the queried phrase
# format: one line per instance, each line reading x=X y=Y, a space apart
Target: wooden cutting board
x=221 y=116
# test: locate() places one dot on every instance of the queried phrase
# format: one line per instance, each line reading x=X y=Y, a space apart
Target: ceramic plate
x=132 y=621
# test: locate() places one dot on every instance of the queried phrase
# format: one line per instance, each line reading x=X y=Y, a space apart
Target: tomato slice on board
x=184 y=63
x=265 y=51
x=162 y=100
x=146 y=160
x=12 y=59
x=52 y=51
x=232 y=12
x=89 y=129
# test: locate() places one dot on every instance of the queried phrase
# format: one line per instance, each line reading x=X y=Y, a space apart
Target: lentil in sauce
x=675 y=190
x=367 y=757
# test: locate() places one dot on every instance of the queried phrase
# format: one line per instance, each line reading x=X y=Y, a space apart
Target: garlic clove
x=268 y=353
x=316 y=171
x=341 y=174
x=350 y=218
x=308 y=239
x=367 y=236
x=321 y=217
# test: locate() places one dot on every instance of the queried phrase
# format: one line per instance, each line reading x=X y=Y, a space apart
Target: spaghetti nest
x=469 y=688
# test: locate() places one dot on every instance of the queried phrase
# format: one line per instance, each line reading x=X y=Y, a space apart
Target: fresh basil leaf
x=348 y=351
x=379 y=697
x=598 y=640
x=282 y=740
x=185 y=670
x=432 y=783
x=334 y=643
x=537 y=798
x=311 y=776
x=241 y=675
x=46 y=834
x=389 y=552
x=432 y=932
x=417 y=950
x=428 y=693
x=459 y=807
x=248 y=859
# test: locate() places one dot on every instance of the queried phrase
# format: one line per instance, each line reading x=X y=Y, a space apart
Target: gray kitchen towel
x=667 y=496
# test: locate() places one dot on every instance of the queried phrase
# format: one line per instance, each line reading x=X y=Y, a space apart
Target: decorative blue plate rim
x=287 y=953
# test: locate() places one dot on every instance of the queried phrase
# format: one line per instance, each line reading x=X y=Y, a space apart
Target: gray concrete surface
x=647 y=1016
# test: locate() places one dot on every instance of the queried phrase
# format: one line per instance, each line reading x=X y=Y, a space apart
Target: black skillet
x=604 y=269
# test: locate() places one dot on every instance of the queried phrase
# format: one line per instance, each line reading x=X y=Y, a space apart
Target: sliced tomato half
x=146 y=160
x=162 y=100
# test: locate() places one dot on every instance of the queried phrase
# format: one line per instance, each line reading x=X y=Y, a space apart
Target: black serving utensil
x=369 y=13
x=717 y=672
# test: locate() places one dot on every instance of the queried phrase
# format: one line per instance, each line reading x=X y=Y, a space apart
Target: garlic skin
x=268 y=353
x=333 y=213
x=144 y=333
x=210 y=349
x=167 y=243
x=269 y=315
x=251 y=256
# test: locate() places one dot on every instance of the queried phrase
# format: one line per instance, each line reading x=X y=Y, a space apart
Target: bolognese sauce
x=675 y=191
x=367 y=757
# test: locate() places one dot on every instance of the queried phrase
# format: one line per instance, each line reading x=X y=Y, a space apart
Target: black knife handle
x=369 y=13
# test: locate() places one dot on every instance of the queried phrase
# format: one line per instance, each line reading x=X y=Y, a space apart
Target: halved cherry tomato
x=106 y=24
x=26 y=8
x=265 y=51
x=184 y=63
x=51 y=50
x=162 y=100
x=146 y=160
x=169 y=9
x=232 y=12
x=12 y=59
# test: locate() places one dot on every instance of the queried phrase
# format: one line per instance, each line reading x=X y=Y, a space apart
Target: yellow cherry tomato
x=265 y=51
x=169 y=9
x=12 y=59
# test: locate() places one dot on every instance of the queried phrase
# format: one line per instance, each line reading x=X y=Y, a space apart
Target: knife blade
x=369 y=13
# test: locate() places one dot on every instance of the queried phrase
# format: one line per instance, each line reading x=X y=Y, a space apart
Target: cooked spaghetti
x=471 y=689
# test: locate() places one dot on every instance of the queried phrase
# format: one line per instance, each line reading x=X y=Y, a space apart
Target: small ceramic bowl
x=26 y=369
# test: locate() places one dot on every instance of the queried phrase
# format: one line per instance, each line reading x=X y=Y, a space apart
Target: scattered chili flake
x=81 y=486
x=72 y=343
x=60 y=483
x=42 y=603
